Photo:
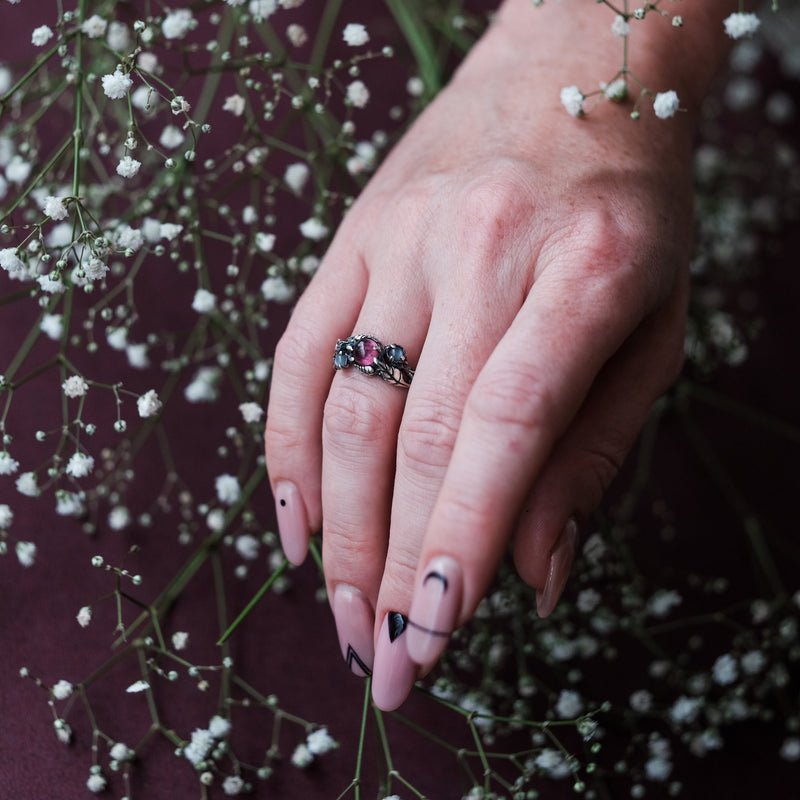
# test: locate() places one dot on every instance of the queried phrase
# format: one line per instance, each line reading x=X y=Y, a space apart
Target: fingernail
x=355 y=623
x=292 y=521
x=561 y=557
x=434 y=610
x=394 y=672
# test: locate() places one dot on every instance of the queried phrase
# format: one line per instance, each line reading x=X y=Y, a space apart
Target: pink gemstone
x=366 y=352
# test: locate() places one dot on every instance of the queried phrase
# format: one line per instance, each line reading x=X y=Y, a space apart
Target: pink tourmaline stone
x=366 y=352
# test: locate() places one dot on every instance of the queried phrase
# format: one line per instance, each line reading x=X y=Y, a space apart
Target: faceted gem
x=366 y=352
x=340 y=360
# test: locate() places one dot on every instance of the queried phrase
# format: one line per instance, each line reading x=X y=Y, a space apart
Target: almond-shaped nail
x=394 y=672
x=292 y=521
x=355 y=623
x=561 y=557
x=434 y=609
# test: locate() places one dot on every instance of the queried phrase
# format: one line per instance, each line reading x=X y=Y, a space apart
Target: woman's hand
x=534 y=267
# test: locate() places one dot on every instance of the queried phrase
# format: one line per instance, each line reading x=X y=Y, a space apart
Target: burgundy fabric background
x=294 y=652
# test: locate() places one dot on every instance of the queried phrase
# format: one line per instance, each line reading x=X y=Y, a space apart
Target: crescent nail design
x=438 y=576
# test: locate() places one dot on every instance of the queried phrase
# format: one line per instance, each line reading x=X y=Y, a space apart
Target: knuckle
x=519 y=401
x=427 y=435
x=352 y=418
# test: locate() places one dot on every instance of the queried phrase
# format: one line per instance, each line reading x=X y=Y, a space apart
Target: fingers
x=589 y=455
x=302 y=374
x=431 y=418
x=521 y=403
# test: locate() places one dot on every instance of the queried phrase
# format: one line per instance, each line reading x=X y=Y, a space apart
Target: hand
x=534 y=267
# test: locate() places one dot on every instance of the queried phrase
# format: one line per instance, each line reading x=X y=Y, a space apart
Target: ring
x=369 y=356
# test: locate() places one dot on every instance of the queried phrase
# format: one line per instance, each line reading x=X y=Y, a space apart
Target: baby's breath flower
x=355 y=34
x=138 y=686
x=552 y=763
x=203 y=388
x=119 y=518
x=51 y=285
x=569 y=704
x=219 y=727
x=18 y=170
x=119 y=36
x=233 y=784
x=54 y=207
x=741 y=24
x=320 y=742
x=171 y=137
x=247 y=546
x=80 y=465
x=262 y=9
x=265 y=241
x=148 y=404
x=204 y=301
x=663 y=601
x=95 y=270
x=302 y=757
x=6 y=516
x=314 y=229
x=641 y=701
x=96 y=783
x=684 y=710
x=236 y=104
x=277 y=290
x=177 y=23
x=200 y=745
x=84 y=616
x=572 y=99
x=666 y=104
x=297 y=35
x=26 y=484
x=117 y=84
x=180 y=639
x=128 y=167
x=75 y=386
x=121 y=752
x=725 y=670
x=296 y=176
x=8 y=465
x=228 y=489
x=62 y=690
x=358 y=94
x=41 y=35
x=94 y=27
x=251 y=412
x=26 y=553
x=10 y=261
x=620 y=26
x=790 y=749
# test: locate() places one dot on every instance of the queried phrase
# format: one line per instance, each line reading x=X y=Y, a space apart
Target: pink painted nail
x=394 y=672
x=355 y=623
x=292 y=521
x=561 y=557
x=434 y=610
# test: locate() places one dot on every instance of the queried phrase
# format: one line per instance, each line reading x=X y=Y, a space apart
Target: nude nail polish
x=292 y=521
x=561 y=557
x=434 y=609
x=394 y=672
x=355 y=623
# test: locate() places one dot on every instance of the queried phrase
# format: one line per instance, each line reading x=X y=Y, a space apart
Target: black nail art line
x=438 y=575
x=430 y=631
x=353 y=656
x=397 y=624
